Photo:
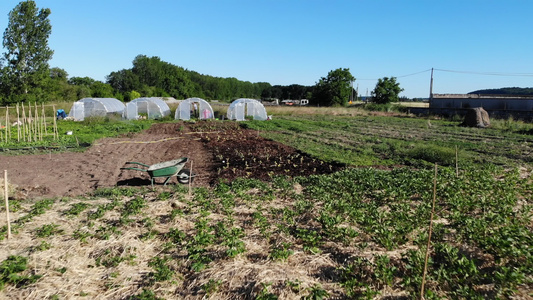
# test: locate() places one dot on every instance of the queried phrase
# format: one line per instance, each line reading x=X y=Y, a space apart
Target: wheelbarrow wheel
x=184 y=176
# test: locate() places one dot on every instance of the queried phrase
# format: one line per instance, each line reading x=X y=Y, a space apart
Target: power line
x=416 y=73
x=461 y=72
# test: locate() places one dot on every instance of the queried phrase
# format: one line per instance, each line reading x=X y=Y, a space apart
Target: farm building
x=153 y=107
x=194 y=108
x=95 y=107
x=242 y=108
x=495 y=105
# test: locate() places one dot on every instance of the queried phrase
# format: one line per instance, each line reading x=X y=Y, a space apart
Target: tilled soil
x=216 y=151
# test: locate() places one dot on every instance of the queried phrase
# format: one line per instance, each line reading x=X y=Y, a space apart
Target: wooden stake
x=37 y=124
x=6 y=197
x=30 y=125
x=43 y=114
x=8 y=125
x=429 y=234
x=190 y=180
x=456 y=162
x=23 y=123
x=18 y=123
x=6 y=135
x=56 y=134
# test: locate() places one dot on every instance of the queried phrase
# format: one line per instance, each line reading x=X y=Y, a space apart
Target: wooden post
x=56 y=135
x=37 y=124
x=429 y=234
x=8 y=125
x=18 y=123
x=30 y=124
x=23 y=123
x=190 y=180
x=6 y=197
x=7 y=116
x=456 y=162
x=43 y=114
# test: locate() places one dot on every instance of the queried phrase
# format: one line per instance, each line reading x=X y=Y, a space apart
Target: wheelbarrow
x=166 y=169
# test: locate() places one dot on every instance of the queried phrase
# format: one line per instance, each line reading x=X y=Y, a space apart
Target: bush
x=378 y=107
x=432 y=153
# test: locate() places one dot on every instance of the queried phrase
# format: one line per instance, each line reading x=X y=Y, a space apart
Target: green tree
x=387 y=90
x=335 y=89
x=26 y=59
x=133 y=95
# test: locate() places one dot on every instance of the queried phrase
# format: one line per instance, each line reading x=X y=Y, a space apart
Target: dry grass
x=70 y=268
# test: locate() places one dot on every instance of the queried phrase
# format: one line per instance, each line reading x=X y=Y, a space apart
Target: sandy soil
x=208 y=145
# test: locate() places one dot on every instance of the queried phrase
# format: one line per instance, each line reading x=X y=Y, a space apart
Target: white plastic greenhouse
x=242 y=108
x=154 y=107
x=194 y=108
x=95 y=107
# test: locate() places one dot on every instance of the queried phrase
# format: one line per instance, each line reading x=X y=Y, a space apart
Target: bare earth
x=208 y=145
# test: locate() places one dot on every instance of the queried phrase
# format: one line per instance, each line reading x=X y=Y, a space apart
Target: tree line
x=505 y=91
x=25 y=75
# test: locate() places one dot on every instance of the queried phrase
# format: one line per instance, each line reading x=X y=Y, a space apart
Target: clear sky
x=298 y=42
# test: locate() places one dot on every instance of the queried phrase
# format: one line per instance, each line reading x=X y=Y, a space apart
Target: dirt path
x=73 y=174
x=217 y=151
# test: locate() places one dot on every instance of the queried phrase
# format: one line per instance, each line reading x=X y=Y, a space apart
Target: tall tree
x=27 y=56
x=387 y=90
x=335 y=89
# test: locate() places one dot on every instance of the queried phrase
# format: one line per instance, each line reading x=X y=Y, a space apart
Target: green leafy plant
x=281 y=252
x=48 y=230
x=162 y=271
x=144 y=295
x=211 y=286
x=316 y=292
x=76 y=209
x=264 y=294
x=10 y=269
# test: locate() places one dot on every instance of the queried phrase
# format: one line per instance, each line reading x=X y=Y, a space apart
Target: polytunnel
x=196 y=108
x=153 y=107
x=95 y=107
x=242 y=108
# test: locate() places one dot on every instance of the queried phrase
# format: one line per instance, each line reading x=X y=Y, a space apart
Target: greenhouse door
x=185 y=111
x=240 y=111
x=78 y=111
x=131 y=112
x=142 y=108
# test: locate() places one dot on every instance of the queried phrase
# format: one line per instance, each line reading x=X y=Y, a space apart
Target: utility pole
x=431 y=86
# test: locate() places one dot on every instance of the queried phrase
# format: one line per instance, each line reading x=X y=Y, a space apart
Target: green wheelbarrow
x=166 y=169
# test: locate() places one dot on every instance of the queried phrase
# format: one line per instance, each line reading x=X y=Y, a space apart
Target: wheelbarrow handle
x=137 y=169
x=137 y=163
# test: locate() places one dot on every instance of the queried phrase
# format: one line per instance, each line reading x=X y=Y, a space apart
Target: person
x=196 y=113
x=61 y=114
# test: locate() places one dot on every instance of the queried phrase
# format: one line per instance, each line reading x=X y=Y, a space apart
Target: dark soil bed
x=217 y=151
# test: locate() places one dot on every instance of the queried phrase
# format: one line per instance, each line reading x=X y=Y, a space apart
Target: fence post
x=7 y=205
x=429 y=235
x=190 y=179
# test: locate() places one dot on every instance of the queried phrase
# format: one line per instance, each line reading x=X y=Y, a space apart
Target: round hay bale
x=476 y=117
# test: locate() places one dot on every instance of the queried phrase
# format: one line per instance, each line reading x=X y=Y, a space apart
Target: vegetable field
x=341 y=209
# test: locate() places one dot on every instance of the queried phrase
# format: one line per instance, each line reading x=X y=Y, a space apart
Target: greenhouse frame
x=196 y=108
x=95 y=107
x=153 y=107
x=243 y=107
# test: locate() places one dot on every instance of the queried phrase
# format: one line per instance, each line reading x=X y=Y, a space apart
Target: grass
x=389 y=141
x=84 y=134
x=358 y=233
x=366 y=228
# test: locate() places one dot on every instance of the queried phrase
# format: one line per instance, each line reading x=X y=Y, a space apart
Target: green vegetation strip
x=388 y=141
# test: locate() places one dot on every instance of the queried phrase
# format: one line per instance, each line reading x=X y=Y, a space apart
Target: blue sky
x=298 y=42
